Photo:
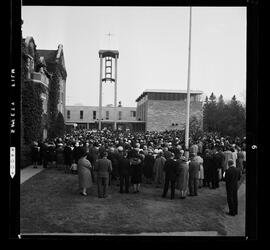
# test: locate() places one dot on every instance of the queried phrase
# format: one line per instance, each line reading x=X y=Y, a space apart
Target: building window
x=107 y=115
x=81 y=114
x=133 y=113
x=68 y=114
x=94 y=115
x=120 y=115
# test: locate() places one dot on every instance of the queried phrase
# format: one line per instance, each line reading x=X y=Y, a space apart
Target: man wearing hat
x=232 y=176
x=103 y=168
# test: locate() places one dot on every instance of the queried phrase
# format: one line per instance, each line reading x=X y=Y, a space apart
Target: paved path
x=29 y=171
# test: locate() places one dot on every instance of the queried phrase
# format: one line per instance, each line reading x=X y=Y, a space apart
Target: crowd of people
x=129 y=159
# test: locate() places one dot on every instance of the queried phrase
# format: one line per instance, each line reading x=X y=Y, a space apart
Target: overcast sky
x=153 y=48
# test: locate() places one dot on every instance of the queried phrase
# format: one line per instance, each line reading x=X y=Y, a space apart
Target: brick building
x=87 y=117
x=40 y=66
x=36 y=73
x=166 y=109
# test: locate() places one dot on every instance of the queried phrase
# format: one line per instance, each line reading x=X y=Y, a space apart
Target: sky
x=153 y=49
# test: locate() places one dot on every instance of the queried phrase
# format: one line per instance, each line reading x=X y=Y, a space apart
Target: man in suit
x=172 y=170
x=232 y=176
x=218 y=160
x=103 y=167
x=124 y=172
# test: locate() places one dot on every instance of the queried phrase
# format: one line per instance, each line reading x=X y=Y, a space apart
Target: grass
x=50 y=203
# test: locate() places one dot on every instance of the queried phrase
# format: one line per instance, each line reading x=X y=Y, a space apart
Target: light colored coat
x=84 y=173
x=182 y=181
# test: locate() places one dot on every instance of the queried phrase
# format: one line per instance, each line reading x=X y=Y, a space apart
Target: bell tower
x=108 y=73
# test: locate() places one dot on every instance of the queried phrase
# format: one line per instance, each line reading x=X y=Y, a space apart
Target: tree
x=236 y=118
x=221 y=116
x=195 y=126
x=224 y=118
x=209 y=112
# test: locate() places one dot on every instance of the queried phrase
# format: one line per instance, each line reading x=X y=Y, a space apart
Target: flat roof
x=197 y=92
x=96 y=107
x=109 y=53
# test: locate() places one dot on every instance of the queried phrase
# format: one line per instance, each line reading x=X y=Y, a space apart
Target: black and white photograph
x=133 y=121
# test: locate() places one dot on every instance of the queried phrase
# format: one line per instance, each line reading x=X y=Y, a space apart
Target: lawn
x=50 y=203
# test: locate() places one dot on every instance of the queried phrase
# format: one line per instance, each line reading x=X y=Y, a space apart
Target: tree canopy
x=228 y=119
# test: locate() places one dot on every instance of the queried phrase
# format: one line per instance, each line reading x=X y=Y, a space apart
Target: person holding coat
x=232 y=176
x=103 y=168
x=84 y=173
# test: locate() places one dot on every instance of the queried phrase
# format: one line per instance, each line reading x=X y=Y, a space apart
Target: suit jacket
x=171 y=169
x=103 y=167
x=218 y=160
x=232 y=176
x=124 y=167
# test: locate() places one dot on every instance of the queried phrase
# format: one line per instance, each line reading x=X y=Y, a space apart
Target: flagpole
x=188 y=87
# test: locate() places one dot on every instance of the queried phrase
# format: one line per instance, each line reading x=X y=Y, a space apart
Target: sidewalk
x=28 y=172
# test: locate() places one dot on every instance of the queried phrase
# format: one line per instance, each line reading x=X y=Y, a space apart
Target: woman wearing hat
x=84 y=173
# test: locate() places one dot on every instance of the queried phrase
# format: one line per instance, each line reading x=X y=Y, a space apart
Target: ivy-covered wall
x=53 y=102
x=32 y=111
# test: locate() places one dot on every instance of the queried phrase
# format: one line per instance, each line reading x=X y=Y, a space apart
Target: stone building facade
x=166 y=109
x=86 y=117
x=40 y=66
x=36 y=73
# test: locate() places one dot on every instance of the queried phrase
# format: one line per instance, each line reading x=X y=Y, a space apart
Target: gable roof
x=52 y=57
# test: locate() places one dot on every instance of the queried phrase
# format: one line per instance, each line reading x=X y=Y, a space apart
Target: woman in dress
x=84 y=173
